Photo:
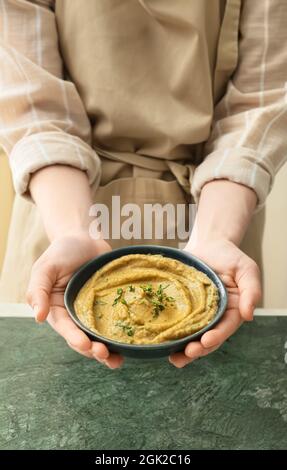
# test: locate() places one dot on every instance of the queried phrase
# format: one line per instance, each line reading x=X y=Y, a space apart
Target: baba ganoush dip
x=146 y=299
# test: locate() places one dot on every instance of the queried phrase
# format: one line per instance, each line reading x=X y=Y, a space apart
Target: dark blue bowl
x=136 y=350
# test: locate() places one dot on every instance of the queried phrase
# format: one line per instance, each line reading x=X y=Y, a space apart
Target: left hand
x=49 y=277
x=241 y=277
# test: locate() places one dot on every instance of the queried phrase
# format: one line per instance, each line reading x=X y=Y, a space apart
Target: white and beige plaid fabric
x=44 y=119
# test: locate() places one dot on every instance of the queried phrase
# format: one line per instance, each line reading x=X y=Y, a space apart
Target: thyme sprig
x=129 y=330
x=158 y=298
x=120 y=292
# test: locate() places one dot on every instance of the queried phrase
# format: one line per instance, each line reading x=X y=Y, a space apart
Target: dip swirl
x=146 y=299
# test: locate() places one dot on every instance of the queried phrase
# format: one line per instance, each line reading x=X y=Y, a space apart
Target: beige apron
x=145 y=157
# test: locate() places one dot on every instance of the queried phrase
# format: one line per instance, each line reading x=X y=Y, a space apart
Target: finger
x=102 y=354
x=100 y=351
x=114 y=361
x=88 y=353
x=194 y=349
x=39 y=290
x=249 y=286
x=233 y=299
x=60 y=321
x=230 y=322
x=180 y=360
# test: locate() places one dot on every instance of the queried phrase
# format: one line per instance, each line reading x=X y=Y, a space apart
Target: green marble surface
x=52 y=398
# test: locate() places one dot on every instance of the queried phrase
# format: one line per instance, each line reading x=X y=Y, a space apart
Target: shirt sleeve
x=42 y=118
x=248 y=141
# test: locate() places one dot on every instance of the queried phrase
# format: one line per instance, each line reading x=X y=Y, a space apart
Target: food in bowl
x=146 y=299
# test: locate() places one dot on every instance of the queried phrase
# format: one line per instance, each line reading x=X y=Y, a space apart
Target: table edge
x=25 y=311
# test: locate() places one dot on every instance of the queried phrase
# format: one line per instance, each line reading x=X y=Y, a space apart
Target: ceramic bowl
x=134 y=350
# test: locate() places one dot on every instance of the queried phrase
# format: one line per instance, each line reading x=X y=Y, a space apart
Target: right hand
x=49 y=277
x=241 y=277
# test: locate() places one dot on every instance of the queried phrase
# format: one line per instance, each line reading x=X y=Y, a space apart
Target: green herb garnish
x=147 y=289
x=158 y=298
x=119 y=295
x=129 y=330
x=132 y=288
x=157 y=307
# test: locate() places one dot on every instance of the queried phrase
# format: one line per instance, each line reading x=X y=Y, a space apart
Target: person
x=153 y=101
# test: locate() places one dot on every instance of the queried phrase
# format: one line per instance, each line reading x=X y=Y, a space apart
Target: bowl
x=140 y=350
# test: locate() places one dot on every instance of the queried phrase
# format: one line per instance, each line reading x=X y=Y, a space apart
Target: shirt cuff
x=239 y=165
x=37 y=151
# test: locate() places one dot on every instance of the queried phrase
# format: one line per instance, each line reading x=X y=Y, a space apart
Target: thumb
x=39 y=290
x=249 y=285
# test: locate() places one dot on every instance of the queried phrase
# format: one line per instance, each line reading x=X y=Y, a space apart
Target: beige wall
x=6 y=200
x=274 y=245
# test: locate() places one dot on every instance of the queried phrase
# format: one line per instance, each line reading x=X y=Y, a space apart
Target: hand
x=241 y=277
x=49 y=278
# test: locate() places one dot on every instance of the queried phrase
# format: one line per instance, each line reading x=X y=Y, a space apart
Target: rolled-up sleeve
x=248 y=142
x=42 y=118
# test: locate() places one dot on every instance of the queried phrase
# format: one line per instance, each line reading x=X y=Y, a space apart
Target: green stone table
x=52 y=398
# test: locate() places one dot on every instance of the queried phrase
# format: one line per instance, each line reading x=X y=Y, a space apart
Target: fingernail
x=105 y=362
x=96 y=357
x=182 y=365
x=249 y=317
x=104 y=354
x=189 y=353
x=36 y=311
x=101 y=360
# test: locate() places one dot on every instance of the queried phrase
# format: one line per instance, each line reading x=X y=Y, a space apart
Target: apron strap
x=152 y=167
x=227 y=51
